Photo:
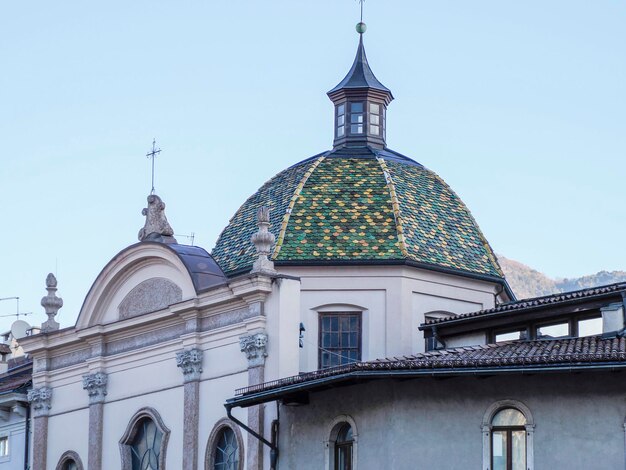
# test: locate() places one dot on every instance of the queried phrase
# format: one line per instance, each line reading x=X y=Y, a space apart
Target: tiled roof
x=568 y=352
x=548 y=300
x=16 y=379
x=364 y=205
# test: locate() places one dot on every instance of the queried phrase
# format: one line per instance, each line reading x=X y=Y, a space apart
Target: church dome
x=360 y=203
x=359 y=206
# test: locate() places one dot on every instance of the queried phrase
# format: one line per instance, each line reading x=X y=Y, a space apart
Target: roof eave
x=354 y=377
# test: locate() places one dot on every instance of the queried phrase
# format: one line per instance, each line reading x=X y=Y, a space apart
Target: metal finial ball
x=361 y=27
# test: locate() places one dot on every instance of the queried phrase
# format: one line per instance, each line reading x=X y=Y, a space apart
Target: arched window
x=145 y=448
x=508 y=440
x=225 y=447
x=70 y=461
x=226 y=450
x=343 y=448
x=508 y=437
x=144 y=443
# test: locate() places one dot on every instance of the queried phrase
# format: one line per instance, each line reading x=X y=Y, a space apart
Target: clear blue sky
x=519 y=106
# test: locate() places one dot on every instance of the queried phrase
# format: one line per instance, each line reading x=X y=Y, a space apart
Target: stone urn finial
x=51 y=303
x=156 y=228
x=263 y=240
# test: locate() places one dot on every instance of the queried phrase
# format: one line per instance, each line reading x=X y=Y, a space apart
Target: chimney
x=613 y=318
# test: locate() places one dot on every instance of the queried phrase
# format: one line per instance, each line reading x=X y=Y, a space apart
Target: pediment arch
x=147 y=277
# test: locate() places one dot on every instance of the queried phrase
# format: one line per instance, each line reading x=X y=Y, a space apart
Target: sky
x=519 y=106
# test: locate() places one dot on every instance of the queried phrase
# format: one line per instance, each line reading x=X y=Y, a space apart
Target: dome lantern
x=360 y=104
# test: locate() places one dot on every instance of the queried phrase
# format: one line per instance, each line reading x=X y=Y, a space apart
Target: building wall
x=14 y=428
x=394 y=301
x=429 y=423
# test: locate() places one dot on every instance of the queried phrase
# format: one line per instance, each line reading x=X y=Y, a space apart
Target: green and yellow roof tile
x=373 y=207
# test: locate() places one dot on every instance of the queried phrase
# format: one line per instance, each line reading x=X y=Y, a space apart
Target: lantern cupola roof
x=360 y=75
x=360 y=104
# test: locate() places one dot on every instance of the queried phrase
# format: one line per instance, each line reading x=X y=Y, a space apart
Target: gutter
x=278 y=393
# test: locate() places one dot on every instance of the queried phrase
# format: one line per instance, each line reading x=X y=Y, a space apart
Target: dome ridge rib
x=397 y=213
x=292 y=203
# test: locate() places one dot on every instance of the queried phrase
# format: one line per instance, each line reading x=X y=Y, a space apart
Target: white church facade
x=346 y=258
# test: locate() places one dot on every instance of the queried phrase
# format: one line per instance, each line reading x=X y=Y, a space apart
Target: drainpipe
x=272 y=445
x=27 y=438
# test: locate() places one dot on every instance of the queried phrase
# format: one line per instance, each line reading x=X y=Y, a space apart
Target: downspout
x=27 y=438
x=272 y=445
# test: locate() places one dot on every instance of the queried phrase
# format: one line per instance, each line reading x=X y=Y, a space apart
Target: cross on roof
x=152 y=154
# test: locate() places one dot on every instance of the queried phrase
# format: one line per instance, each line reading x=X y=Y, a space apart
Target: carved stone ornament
x=96 y=386
x=190 y=362
x=51 y=303
x=263 y=240
x=156 y=228
x=255 y=348
x=40 y=399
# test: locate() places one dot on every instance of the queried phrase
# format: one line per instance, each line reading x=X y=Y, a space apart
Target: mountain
x=527 y=282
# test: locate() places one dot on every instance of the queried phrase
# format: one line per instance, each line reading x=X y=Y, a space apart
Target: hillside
x=527 y=282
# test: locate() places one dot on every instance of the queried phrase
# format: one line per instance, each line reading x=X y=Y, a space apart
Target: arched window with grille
x=70 y=461
x=225 y=447
x=144 y=443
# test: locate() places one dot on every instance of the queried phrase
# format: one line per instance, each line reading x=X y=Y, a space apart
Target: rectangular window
x=508 y=335
x=560 y=330
x=590 y=327
x=4 y=446
x=339 y=339
x=341 y=120
x=375 y=119
x=357 y=118
x=356 y=107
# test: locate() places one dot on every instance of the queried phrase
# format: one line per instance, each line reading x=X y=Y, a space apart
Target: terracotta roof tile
x=587 y=351
x=17 y=378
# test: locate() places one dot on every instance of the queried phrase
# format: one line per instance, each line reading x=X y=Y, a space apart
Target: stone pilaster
x=96 y=386
x=254 y=346
x=190 y=363
x=40 y=400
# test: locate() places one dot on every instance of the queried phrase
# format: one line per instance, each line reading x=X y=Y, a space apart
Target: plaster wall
x=429 y=423
x=14 y=428
x=282 y=309
x=393 y=299
x=68 y=431
x=470 y=339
